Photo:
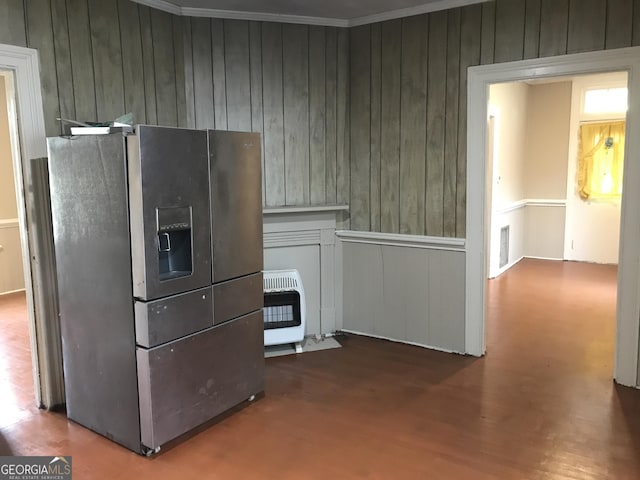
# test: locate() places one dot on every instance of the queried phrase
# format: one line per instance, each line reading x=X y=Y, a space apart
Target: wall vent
x=504 y=246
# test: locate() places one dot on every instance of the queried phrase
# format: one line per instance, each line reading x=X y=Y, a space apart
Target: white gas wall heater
x=284 y=308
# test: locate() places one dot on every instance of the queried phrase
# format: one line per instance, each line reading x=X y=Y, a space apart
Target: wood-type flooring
x=540 y=405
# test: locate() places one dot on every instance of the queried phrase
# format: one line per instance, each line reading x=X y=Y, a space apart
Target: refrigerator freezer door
x=236 y=204
x=188 y=382
x=237 y=297
x=170 y=318
x=170 y=219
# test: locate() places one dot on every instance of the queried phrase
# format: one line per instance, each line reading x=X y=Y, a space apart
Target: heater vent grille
x=281 y=280
x=504 y=246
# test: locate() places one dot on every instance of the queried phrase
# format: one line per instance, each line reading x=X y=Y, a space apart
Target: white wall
x=508 y=104
x=529 y=188
x=547 y=140
x=11 y=272
x=592 y=231
x=547 y=148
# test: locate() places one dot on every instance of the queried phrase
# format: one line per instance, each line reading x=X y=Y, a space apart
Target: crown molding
x=305 y=20
x=411 y=11
x=263 y=17
x=161 y=5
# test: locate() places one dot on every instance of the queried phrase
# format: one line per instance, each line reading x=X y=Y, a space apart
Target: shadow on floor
x=5 y=451
x=629 y=399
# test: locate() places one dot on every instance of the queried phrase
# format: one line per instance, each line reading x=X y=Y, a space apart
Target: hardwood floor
x=540 y=405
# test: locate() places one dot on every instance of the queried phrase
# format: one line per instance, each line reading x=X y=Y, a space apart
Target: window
x=606 y=100
x=600 y=160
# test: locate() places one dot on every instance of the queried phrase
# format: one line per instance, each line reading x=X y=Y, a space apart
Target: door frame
x=29 y=143
x=628 y=302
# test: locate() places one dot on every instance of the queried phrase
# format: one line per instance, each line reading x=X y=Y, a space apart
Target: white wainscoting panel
x=11 y=271
x=304 y=238
x=545 y=226
x=413 y=294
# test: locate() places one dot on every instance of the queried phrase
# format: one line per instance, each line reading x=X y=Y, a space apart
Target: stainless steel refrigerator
x=158 y=245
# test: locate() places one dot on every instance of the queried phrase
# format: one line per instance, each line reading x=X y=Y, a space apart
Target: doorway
x=11 y=270
x=537 y=169
x=20 y=69
x=628 y=308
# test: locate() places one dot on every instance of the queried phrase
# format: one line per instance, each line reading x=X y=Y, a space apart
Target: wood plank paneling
x=165 y=69
x=273 y=113
x=190 y=100
x=107 y=59
x=148 y=64
x=532 y=29
x=436 y=111
x=62 y=53
x=470 y=30
x=554 y=22
x=13 y=30
x=376 y=123
x=295 y=67
x=288 y=82
x=451 y=123
x=510 y=23
x=587 y=25
x=202 y=73
x=488 y=33
x=343 y=178
x=619 y=27
x=390 y=126
x=132 y=64
x=219 y=76
x=255 y=61
x=179 y=67
x=415 y=34
x=81 y=60
x=317 y=114
x=331 y=76
x=238 y=75
x=40 y=37
x=636 y=23
x=360 y=132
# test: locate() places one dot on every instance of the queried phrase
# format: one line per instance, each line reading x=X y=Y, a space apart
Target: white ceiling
x=343 y=13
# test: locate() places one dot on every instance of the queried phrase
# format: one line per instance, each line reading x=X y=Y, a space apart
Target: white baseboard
x=12 y=291
x=395 y=340
x=506 y=267
x=544 y=258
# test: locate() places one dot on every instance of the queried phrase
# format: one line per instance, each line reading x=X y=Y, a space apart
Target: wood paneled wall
x=374 y=116
x=288 y=82
x=408 y=105
x=100 y=59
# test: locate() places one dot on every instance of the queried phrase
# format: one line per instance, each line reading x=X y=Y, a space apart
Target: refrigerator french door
x=158 y=242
